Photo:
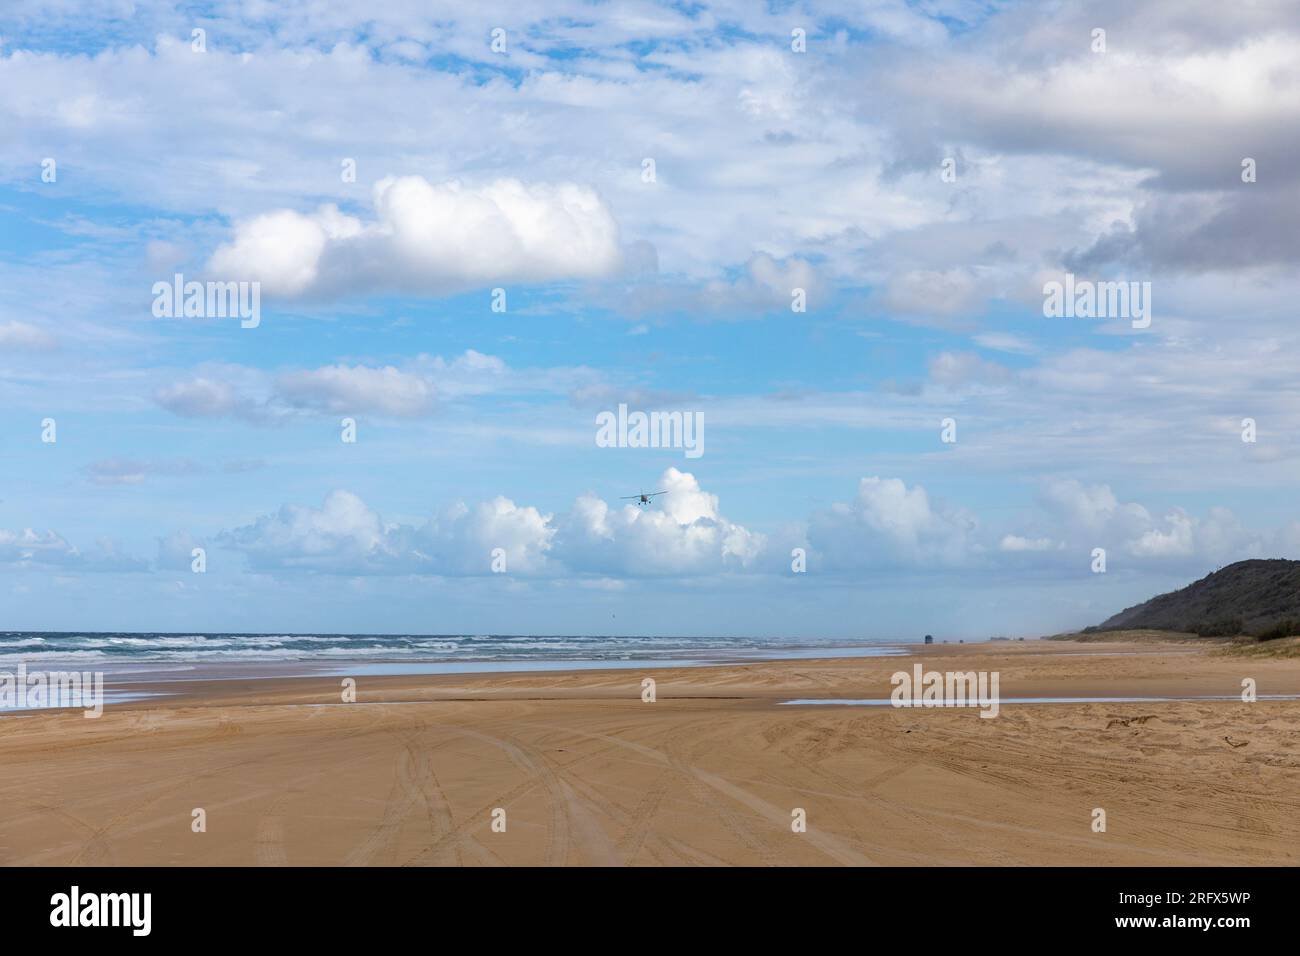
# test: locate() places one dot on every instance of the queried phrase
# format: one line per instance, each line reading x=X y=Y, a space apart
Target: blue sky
x=523 y=169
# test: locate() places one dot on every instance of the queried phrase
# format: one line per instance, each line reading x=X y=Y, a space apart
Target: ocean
x=158 y=654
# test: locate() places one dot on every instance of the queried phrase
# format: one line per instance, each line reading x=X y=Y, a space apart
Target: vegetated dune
x=1260 y=598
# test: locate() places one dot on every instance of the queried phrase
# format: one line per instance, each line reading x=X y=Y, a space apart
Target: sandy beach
x=587 y=773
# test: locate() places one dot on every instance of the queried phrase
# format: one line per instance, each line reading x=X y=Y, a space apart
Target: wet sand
x=708 y=774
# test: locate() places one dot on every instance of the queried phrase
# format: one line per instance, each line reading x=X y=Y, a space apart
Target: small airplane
x=642 y=499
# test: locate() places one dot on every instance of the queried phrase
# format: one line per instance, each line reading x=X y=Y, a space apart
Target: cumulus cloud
x=762 y=285
x=200 y=397
x=889 y=524
x=892 y=526
x=1091 y=516
x=1035 y=86
x=1202 y=232
x=888 y=527
x=932 y=297
x=342 y=535
x=429 y=237
x=1174 y=540
x=765 y=283
x=1094 y=509
x=464 y=539
x=411 y=391
x=48 y=550
x=176 y=551
x=340 y=388
x=685 y=535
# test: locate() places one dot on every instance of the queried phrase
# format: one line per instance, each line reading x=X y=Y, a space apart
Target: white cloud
x=24 y=336
x=29 y=549
x=411 y=391
x=1015 y=542
x=340 y=388
x=130 y=471
x=342 y=535
x=1005 y=342
x=1175 y=540
x=1094 y=509
x=461 y=539
x=943 y=298
x=283 y=249
x=176 y=551
x=198 y=398
x=890 y=524
x=429 y=237
x=685 y=535
x=962 y=369
x=765 y=283
x=1089 y=516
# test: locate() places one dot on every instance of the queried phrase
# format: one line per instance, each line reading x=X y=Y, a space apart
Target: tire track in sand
x=829 y=845
x=414 y=785
x=562 y=800
x=268 y=843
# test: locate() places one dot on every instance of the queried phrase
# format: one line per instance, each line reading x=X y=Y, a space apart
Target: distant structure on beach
x=929 y=639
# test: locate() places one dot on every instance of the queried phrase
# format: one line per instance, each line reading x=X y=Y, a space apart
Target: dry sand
x=706 y=775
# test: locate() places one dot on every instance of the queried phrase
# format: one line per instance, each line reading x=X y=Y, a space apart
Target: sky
x=825 y=231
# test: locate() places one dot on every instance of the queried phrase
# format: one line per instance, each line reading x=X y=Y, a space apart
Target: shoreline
x=194 y=681
x=237 y=667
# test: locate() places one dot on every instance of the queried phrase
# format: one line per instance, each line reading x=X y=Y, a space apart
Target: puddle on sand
x=110 y=697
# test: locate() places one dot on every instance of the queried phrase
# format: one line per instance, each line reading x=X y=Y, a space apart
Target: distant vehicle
x=642 y=499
